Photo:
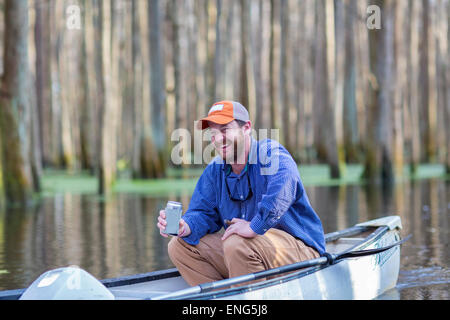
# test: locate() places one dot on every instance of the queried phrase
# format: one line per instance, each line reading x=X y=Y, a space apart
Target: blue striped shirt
x=272 y=196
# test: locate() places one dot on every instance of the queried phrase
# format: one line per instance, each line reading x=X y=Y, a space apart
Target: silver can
x=173 y=215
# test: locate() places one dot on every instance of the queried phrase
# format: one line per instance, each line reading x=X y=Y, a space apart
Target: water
x=119 y=237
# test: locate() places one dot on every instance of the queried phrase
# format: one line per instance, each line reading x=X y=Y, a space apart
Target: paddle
x=327 y=259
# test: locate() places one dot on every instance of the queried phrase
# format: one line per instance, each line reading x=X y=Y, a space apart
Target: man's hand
x=240 y=227
x=183 y=230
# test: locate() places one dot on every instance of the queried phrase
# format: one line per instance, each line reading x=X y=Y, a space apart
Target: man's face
x=229 y=140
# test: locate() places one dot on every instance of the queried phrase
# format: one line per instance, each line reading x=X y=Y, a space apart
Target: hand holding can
x=170 y=221
x=173 y=215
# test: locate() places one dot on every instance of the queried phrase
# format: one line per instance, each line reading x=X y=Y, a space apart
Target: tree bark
x=274 y=65
x=136 y=97
x=321 y=92
x=181 y=72
x=285 y=136
x=15 y=106
x=447 y=107
x=112 y=97
x=202 y=56
x=324 y=90
x=443 y=81
x=445 y=78
x=105 y=171
x=257 y=66
x=400 y=85
x=243 y=93
x=56 y=20
x=99 y=97
x=378 y=162
x=157 y=90
x=86 y=107
x=218 y=56
x=428 y=88
x=336 y=33
x=350 y=117
x=43 y=77
x=413 y=86
x=72 y=101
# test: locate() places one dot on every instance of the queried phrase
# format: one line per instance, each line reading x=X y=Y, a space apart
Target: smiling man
x=253 y=190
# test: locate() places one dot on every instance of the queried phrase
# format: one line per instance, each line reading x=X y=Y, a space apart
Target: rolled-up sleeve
x=281 y=193
x=202 y=216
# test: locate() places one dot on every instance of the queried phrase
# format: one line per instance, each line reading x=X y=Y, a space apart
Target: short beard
x=236 y=153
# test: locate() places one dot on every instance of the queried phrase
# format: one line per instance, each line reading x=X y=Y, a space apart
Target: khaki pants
x=213 y=259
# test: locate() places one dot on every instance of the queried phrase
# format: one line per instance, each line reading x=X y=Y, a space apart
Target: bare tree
x=378 y=162
x=111 y=25
x=274 y=65
x=350 y=115
x=15 y=106
x=86 y=117
x=337 y=149
x=324 y=87
x=136 y=85
x=427 y=106
x=43 y=77
x=157 y=90
x=283 y=77
x=399 y=95
x=442 y=27
x=412 y=131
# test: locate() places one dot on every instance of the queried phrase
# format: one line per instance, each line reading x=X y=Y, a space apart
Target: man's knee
x=235 y=245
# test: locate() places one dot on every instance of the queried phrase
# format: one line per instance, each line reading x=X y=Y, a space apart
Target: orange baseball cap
x=224 y=112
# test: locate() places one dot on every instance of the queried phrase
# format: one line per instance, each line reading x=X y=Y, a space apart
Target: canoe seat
x=342 y=244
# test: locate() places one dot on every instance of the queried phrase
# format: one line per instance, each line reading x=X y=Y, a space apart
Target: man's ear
x=248 y=127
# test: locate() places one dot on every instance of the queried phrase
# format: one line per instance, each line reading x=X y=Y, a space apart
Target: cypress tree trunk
x=427 y=96
x=43 y=77
x=378 y=163
x=274 y=57
x=321 y=92
x=413 y=85
x=112 y=95
x=326 y=111
x=350 y=116
x=137 y=96
x=15 y=106
x=157 y=90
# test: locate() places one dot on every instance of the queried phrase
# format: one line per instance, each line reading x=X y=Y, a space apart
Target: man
x=252 y=189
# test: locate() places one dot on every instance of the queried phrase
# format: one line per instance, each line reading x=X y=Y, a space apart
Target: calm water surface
x=119 y=237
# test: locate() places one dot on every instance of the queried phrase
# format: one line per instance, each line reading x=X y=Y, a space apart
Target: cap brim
x=219 y=119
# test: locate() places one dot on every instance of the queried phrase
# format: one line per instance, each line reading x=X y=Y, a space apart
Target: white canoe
x=364 y=277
